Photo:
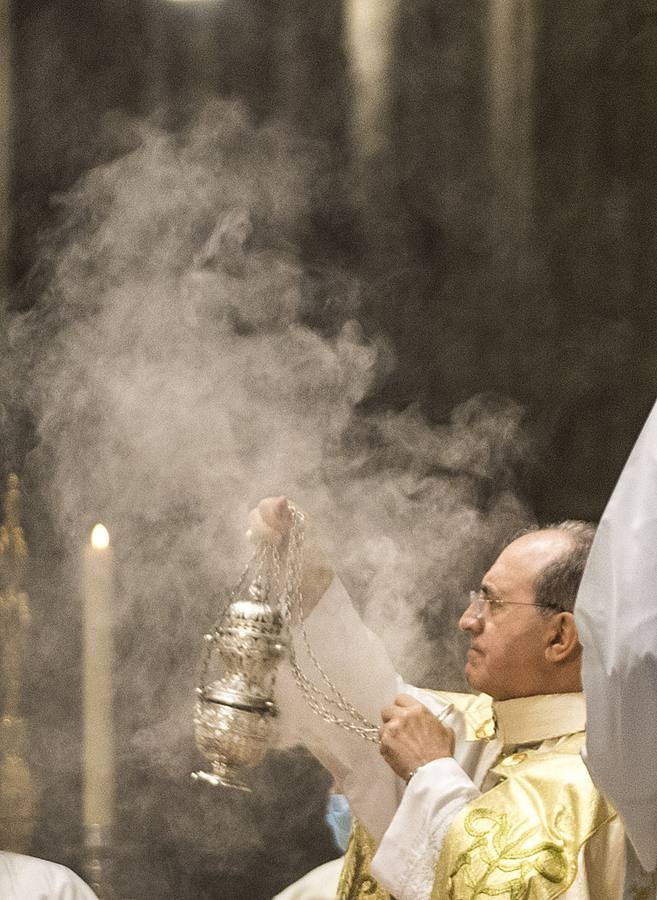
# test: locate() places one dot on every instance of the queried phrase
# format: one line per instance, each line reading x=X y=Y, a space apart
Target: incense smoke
x=177 y=374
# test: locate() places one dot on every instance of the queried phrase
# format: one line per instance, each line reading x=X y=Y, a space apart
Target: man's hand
x=411 y=736
x=271 y=522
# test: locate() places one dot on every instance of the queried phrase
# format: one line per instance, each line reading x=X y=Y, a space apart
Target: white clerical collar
x=526 y=720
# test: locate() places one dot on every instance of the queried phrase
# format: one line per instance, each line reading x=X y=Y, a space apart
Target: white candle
x=98 y=754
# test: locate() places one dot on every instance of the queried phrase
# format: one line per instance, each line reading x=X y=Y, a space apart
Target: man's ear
x=563 y=640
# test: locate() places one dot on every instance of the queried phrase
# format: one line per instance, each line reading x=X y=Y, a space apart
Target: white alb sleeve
x=405 y=861
x=356 y=661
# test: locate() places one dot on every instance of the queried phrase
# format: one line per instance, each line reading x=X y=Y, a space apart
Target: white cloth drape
x=616 y=617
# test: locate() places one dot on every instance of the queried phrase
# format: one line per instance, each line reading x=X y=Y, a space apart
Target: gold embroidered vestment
x=520 y=840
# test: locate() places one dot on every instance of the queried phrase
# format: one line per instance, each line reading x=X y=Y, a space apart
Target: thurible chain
x=292 y=606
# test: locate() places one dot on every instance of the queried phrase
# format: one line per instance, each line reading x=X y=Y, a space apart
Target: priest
x=465 y=796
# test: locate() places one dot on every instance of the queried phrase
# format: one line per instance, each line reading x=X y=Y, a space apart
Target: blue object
x=338 y=819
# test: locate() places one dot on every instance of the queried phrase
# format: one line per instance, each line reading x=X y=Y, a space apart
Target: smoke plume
x=176 y=374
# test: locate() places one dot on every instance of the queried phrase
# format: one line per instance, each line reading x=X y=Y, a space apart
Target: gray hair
x=558 y=582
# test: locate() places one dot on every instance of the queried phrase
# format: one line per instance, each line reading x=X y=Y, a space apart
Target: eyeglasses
x=480 y=603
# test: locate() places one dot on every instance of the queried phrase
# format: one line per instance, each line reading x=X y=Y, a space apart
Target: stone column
x=369 y=27
x=511 y=53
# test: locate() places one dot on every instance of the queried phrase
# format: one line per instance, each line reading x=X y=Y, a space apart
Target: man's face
x=507 y=645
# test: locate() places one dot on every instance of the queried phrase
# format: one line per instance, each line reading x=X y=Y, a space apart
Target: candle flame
x=100 y=537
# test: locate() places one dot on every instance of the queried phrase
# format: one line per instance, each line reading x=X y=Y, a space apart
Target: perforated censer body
x=234 y=713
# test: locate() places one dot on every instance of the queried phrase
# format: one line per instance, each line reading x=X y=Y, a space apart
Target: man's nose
x=471 y=621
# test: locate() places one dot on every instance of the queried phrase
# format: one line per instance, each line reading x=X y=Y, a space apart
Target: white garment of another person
x=29 y=878
x=318 y=884
x=409 y=822
x=616 y=614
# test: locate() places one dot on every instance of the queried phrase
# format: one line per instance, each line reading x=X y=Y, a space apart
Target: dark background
x=534 y=280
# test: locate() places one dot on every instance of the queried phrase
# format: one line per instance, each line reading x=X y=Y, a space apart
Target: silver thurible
x=234 y=712
x=235 y=698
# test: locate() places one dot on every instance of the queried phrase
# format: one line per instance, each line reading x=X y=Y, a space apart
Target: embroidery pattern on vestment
x=496 y=864
x=356 y=882
x=525 y=842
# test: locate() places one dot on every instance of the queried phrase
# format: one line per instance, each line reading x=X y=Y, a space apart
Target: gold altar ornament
x=235 y=705
x=17 y=795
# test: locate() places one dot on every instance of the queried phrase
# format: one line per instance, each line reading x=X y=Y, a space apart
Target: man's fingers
x=259 y=530
x=402 y=702
x=387 y=735
x=406 y=700
x=270 y=521
x=276 y=513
